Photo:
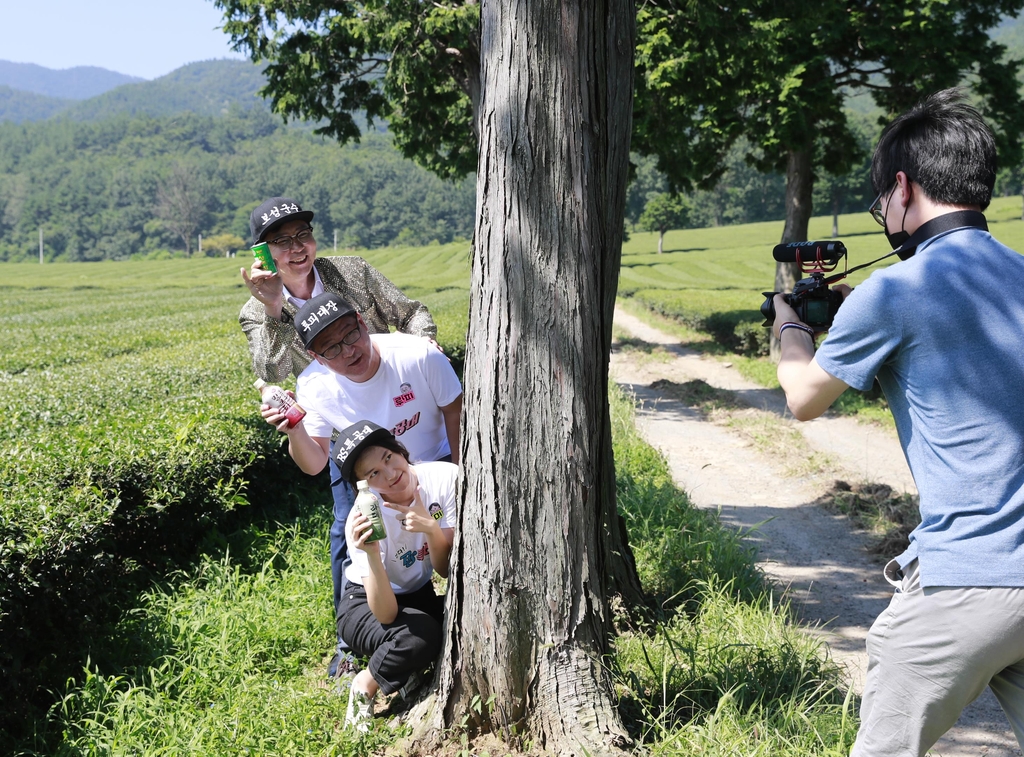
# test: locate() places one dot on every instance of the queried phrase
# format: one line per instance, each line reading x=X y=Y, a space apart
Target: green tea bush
x=728 y=316
x=132 y=435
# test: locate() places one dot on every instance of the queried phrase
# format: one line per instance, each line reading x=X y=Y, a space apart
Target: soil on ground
x=734 y=447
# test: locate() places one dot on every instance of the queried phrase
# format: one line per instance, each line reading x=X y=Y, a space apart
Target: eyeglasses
x=348 y=340
x=875 y=209
x=285 y=243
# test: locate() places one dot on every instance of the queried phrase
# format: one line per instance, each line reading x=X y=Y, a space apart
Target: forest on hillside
x=140 y=186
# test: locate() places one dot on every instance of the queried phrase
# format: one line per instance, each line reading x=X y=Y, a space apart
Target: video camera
x=812 y=298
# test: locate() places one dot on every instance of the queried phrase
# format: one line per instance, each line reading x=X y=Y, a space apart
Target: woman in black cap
x=389 y=611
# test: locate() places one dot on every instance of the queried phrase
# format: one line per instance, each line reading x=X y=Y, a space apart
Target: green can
x=261 y=252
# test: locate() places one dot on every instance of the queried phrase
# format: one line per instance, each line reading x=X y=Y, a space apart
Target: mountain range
x=85 y=93
x=78 y=83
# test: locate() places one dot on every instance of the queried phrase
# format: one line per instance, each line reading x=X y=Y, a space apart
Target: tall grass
x=226 y=662
x=227 y=659
x=724 y=670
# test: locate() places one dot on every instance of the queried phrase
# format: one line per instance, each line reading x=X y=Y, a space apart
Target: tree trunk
x=836 y=200
x=799 y=185
x=661 y=240
x=540 y=547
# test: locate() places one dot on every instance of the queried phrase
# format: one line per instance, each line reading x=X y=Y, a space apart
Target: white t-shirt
x=406 y=394
x=405 y=554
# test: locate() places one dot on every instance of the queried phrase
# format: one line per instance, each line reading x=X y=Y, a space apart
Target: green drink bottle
x=369 y=506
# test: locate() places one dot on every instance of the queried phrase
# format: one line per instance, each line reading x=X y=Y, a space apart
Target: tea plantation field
x=132 y=430
x=712 y=279
x=131 y=426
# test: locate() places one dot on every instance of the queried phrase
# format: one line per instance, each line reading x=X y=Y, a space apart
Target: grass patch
x=226 y=661
x=698 y=394
x=770 y=435
x=889 y=515
x=641 y=352
x=725 y=671
x=777 y=439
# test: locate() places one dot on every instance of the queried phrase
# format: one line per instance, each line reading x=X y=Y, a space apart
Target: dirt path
x=834 y=582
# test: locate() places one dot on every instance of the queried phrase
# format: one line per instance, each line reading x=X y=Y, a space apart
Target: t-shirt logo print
x=405 y=394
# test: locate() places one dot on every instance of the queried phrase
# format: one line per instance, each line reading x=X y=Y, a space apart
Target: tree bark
x=661 y=240
x=540 y=547
x=799 y=186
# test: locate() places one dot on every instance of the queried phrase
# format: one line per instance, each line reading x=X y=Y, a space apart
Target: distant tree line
x=139 y=186
x=744 y=193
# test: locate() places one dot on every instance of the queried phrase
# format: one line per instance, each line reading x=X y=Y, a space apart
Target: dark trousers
x=343 y=499
x=410 y=643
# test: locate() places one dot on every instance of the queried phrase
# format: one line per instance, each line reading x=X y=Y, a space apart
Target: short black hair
x=943 y=145
x=388 y=443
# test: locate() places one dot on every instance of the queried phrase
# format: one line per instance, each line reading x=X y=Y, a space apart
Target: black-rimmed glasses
x=348 y=340
x=285 y=242
x=875 y=209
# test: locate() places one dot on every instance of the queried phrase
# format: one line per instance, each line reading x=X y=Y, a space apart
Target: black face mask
x=896 y=238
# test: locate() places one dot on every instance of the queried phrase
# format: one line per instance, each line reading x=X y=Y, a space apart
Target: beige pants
x=930 y=654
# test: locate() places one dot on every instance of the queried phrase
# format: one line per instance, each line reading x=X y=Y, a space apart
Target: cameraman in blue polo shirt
x=943 y=333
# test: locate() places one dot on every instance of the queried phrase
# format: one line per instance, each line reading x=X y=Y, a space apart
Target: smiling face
x=358 y=361
x=294 y=260
x=388 y=473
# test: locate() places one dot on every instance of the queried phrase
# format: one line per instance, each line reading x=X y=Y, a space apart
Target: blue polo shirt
x=944 y=334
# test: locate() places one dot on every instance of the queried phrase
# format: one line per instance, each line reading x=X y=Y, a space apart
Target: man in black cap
x=267 y=317
x=401 y=382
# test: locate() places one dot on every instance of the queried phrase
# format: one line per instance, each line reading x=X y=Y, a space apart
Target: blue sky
x=146 y=38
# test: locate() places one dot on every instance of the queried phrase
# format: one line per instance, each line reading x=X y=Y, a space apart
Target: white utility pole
x=40 y=245
x=200 y=253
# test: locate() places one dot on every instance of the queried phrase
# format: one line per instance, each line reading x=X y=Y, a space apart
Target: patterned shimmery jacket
x=275 y=346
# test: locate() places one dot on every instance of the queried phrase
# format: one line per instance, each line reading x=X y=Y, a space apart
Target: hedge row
x=730 y=316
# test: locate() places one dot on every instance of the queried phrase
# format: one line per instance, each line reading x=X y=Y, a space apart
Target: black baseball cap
x=353 y=441
x=318 y=313
x=272 y=212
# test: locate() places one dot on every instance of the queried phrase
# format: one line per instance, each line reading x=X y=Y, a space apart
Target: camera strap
x=947 y=222
x=958 y=219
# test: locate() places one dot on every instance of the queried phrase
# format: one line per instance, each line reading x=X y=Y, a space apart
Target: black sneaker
x=413 y=683
x=343 y=665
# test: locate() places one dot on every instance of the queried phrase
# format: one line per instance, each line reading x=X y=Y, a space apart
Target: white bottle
x=277 y=397
x=369 y=506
